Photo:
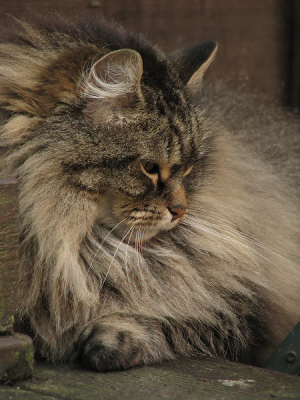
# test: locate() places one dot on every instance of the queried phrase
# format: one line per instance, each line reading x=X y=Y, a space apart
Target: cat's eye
x=150 y=167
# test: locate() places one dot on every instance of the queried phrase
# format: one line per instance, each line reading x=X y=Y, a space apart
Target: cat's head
x=154 y=143
x=129 y=139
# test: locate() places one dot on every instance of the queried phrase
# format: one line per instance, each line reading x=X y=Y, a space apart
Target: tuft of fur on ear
x=192 y=63
x=112 y=87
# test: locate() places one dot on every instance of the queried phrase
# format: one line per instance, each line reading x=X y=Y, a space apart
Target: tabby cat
x=149 y=231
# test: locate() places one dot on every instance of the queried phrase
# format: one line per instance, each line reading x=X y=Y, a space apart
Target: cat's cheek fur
x=76 y=217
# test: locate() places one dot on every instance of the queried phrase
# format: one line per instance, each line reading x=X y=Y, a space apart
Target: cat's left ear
x=192 y=63
x=112 y=86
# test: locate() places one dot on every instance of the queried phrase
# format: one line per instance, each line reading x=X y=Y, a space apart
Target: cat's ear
x=112 y=86
x=191 y=63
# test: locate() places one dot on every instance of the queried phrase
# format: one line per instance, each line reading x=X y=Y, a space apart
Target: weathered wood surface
x=195 y=379
x=16 y=351
x=9 y=259
x=294 y=81
x=254 y=36
x=16 y=357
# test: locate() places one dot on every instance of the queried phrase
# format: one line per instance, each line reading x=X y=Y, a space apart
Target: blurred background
x=259 y=40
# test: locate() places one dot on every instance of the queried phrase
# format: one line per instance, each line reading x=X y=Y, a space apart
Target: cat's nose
x=177 y=211
x=178 y=204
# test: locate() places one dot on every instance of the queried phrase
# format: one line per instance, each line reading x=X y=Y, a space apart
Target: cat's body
x=148 y=231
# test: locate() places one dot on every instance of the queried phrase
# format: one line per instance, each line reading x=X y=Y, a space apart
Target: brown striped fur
x=149 y=231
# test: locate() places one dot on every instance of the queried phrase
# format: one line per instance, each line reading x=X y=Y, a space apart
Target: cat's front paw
x=117 y=343
x=106 y=349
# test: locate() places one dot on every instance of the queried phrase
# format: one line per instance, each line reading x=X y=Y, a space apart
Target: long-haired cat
x=148 y=230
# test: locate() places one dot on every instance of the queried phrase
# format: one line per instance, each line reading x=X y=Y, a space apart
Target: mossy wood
x=16 y=357
x=193 y=379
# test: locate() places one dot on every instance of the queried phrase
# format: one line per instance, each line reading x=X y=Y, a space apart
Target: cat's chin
x=159 y=227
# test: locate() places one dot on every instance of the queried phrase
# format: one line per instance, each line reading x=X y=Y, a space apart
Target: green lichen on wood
x=7 y=329
x=17 y=358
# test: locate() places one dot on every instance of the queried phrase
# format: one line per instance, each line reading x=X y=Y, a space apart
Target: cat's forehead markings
x=165 y=172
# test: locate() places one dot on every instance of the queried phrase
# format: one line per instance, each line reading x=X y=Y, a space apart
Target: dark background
x=258 y=39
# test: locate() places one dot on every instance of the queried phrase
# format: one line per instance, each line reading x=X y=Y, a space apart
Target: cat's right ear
x=112 y=86
x=192 y=63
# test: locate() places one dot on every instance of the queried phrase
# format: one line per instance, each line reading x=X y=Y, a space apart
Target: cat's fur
x=107 y=277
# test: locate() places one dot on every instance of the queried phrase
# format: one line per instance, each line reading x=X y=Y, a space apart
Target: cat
x=156 y=222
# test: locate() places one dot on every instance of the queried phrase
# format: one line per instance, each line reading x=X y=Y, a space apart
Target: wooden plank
x=16 y=351
x=9 y=259
x=295 y=56
x=193 y=379
x=16 y=357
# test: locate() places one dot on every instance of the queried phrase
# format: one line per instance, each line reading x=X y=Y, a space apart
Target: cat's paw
x=116 y=344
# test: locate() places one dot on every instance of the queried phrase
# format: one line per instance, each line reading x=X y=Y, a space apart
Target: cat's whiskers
x=126 y=263
x=199 y=250
x=245 y=236
x=214 y=232
x=206 y=227
x=114 y=256
x=144 y=233
x=138 y=248
x=101 y=244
